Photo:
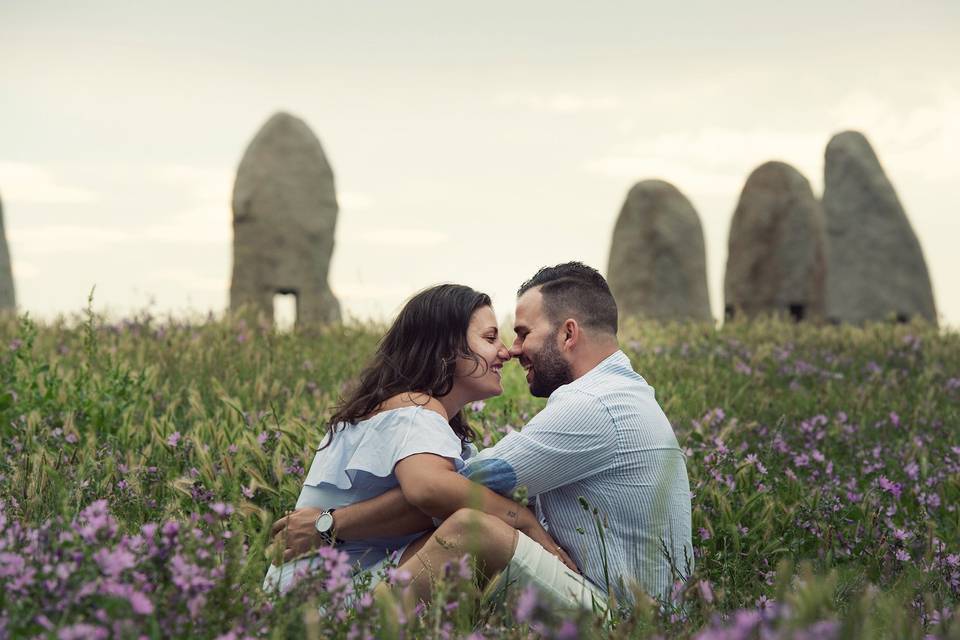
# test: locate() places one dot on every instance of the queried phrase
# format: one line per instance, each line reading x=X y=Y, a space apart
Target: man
x=602 y=460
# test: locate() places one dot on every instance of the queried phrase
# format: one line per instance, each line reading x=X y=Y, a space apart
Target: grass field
x=144 y=461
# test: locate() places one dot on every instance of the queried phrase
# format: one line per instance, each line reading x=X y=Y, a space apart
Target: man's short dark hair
x=574 y=290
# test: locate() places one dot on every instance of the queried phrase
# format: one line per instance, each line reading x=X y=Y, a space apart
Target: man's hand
x=297 y=532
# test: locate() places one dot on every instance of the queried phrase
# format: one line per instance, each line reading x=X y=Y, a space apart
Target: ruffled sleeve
x=374 y=447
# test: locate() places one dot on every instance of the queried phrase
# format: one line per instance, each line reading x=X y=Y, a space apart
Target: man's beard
x=550 y=371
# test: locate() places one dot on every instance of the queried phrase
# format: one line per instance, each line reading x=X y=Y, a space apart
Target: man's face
x=537 y=346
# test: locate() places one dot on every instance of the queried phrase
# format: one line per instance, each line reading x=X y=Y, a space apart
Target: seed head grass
x=144 y=461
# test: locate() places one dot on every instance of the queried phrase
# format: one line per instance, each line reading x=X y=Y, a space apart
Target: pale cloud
x=25 y=270
x=626 y=126
x=210 y=224
x=206 y=184
x=557 y=102
x=711 y=161
x=24 y=183
x=189 y=279
x=396 y=237
x=56 y=239
x=370 y=291
x=922 y=141
x=355 y=201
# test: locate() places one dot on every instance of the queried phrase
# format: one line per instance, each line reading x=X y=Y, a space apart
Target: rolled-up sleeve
x=574 y=437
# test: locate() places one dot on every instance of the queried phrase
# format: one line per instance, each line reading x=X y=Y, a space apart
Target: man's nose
x=515 y=350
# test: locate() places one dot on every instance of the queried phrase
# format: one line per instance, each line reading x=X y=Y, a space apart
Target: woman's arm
x=385 y=516
x=431 y=484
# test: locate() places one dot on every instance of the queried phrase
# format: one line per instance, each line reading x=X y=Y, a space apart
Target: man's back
x=603 y=441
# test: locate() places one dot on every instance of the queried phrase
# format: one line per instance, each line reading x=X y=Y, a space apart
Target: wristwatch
x=324 y=526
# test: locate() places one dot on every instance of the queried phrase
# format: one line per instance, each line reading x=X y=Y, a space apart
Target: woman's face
x=483 y=338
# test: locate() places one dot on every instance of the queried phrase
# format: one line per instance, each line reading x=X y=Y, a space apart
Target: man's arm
x=385 y=516
x=573 y=438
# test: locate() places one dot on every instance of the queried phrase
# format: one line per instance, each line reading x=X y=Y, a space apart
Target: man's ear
x=570 y=334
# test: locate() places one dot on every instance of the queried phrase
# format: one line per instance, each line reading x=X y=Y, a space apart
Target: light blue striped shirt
x=604 y=438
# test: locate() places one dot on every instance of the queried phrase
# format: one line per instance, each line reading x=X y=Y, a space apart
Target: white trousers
x=532 y=565
x=281 y=579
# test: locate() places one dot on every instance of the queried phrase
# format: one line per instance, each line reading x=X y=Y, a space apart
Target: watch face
x=325 y=522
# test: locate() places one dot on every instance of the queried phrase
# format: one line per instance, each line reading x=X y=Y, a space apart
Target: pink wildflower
x=526 y=604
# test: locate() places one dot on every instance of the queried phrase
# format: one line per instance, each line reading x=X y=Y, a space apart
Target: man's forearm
x=385 y=516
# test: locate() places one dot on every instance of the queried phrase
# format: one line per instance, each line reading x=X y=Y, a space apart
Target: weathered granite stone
x=875 y=266
x=8 y=298
x=775 y=261
x=658 y=261
x=284 y=216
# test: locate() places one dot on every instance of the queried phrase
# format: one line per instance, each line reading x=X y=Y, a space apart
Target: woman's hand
x=535 y=531
x=297 y=532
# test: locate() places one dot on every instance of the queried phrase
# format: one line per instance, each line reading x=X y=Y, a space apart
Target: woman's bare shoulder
x=413 y=399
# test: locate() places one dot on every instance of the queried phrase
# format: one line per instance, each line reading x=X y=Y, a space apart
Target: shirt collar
x=616 y=360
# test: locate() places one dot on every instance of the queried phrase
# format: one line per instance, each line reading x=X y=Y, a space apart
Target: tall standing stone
x=8 y=298
x=284 y=216
x=874 y=260
x=776 y=261
x=658 y=265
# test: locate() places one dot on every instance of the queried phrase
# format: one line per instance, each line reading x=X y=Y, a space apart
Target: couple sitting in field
x=397 y=478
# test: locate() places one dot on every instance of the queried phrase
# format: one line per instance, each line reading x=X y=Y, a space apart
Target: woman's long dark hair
x=419 y=353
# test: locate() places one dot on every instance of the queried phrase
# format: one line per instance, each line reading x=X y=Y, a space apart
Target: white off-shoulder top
x=359 y=464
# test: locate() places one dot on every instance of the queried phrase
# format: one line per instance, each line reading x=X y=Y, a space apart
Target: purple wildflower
x=567 y=631
x=221 y=509
x=893 y=488
x=141 y=603
x=398 y=576
x=901 y=535
x=114 y=562
x=82 y=631
x=706 y=591
x=526 y=604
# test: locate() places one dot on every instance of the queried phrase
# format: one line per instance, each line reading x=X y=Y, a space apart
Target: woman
x=403 y=425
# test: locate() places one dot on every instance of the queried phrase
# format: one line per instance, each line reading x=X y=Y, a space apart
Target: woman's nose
x=503 y=353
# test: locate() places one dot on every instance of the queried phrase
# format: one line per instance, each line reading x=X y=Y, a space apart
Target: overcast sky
x=468 y=146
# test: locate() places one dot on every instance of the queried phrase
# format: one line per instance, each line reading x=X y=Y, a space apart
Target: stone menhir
x=8 y=298
x=284 y=216
x=776 y=257
x=875 y=266
x=658 y=266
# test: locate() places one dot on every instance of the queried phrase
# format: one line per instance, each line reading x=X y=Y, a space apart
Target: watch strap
x=328 y=536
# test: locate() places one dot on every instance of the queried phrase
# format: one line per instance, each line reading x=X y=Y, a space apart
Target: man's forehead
x=529 y=307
